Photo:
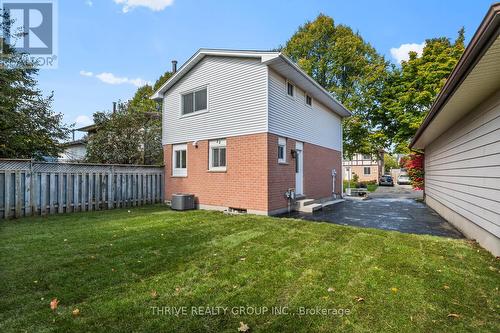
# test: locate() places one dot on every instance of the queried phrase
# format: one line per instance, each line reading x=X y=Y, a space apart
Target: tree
x=28 y=126
x=351 y=69
x=125 y=137
x=390 y=162
x=410 y=90
x=161 y=80
x=132 y=135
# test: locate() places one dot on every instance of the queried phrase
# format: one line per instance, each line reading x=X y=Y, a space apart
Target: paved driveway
x=390 y=208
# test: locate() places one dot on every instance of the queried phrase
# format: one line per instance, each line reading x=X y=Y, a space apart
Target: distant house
x=366 y=166
x=242 y=128
x=76 y=150
x=461 y=140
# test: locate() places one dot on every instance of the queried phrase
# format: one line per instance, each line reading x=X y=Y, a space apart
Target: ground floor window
x=367 y=170
x=281 y=150
x=179 y=160
x=217 y=155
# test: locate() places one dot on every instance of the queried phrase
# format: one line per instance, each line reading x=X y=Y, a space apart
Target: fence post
x=52 y=192
x=27 y=193
x=60 y=199
x=110 y=194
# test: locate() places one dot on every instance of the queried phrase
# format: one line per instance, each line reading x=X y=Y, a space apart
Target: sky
x=108 y=48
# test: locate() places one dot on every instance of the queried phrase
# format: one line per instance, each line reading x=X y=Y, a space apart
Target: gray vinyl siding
x=237 y=101
x=291 y=117
x=462 y=167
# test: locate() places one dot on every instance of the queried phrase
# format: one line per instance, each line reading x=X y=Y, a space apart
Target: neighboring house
x=366 y=166
x=461 y=140
x=76 y=150
x=241 y=128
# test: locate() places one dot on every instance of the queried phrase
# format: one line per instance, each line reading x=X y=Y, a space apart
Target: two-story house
x=367 y=167
x=242 y=128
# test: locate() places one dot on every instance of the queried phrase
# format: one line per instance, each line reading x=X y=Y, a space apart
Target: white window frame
x=219 y=143
x=369 y=169
x=305 y=100
x=179 y=172
x=282 y=143
x=193 y=91
x=287 y=82
x=363 y=156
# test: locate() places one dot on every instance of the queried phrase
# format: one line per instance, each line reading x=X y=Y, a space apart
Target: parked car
x=386 y=180
x=403 y=180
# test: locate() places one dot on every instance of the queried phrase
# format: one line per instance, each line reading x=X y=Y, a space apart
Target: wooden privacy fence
x=41 y=188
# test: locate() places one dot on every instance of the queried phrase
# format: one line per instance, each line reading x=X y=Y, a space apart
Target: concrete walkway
x=389 y=208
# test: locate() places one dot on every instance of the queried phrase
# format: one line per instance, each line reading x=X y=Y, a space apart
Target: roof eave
x=481 y=40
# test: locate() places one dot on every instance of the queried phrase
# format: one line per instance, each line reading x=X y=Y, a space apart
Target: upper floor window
x=194 y=101
x=309 y=100
x=179 y=160
x=290 y=89
x=217 y=155
x=367 y=157
x=281 y=150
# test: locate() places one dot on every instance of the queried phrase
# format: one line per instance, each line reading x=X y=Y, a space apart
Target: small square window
x=290 y=88
x=217 y=155
x=309 y=100
x=367 y=170
x=367 y=157
x=281 y=150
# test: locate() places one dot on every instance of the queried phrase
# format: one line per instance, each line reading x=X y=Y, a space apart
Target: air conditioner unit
x=181 y=201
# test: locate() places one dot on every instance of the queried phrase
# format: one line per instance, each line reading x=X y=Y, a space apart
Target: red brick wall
x=318 y=165
x=243 y=185
x=281 y=176
x=254 y=179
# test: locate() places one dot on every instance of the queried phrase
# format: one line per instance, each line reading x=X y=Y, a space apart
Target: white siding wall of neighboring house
x=462 y=173
x=237 y=101
x=291 y=117
x=74 y=153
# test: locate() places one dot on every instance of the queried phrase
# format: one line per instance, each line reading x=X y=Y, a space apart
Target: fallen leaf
x=243 y=327
x=76 y=312
x=330 y=290
x=65 y=240
x=394 y=290
x=453 y=315
x=36 y=281
x=243 y=259
x=53 y=304
x=360 y=299
x=154 y=294
x=446 y=287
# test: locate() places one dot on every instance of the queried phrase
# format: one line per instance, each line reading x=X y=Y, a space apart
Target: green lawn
x=107 y=264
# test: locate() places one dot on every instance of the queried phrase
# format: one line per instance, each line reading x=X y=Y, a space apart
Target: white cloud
x=84 y=73
x=83 y=120
x=89 y=3
x=154 y=5
x=111 y=78
x=401 y=53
